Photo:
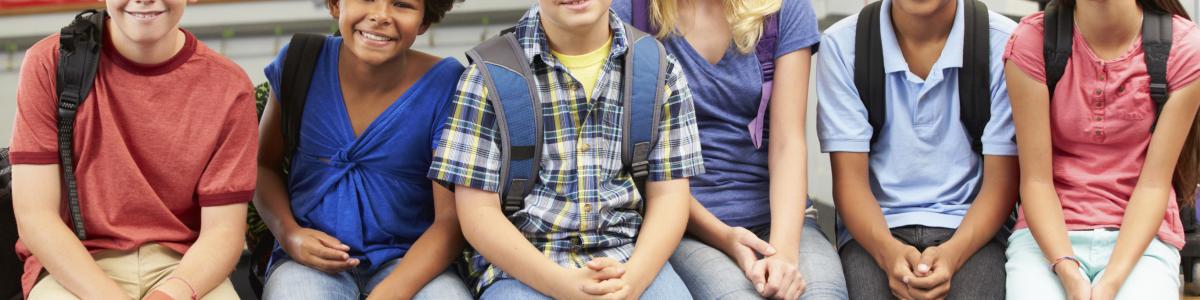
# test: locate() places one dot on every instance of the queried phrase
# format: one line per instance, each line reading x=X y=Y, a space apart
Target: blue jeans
x=1155 y=276
x=289 y=280
x=665 y=286
x=710 y=274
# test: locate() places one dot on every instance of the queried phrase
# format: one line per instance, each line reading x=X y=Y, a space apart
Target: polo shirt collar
x=893 y=58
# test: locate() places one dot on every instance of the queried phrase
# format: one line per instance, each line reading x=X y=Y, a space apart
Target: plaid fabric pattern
x=583 y=205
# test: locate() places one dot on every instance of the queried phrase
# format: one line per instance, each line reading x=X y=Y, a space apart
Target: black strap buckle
x=1158 y=90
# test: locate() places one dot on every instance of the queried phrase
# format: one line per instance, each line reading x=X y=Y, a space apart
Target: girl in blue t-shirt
x=735 y=246
x=355 y=215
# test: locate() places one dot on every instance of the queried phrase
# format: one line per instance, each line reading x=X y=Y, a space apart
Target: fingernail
x=923 y=268
x=770 y=250
x=759 y=287
x=906 y=278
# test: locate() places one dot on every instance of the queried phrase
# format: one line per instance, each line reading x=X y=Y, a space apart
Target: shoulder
x=1184 y=31
x=218 y=70
x=1000 y=25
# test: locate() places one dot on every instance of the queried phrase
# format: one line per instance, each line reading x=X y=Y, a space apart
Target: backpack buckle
x=1158 y=90
x=640 y=169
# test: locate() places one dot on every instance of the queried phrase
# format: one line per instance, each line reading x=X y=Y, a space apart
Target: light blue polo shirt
x=922 y=170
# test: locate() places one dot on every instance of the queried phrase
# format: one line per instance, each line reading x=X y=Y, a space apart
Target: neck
x=372 y=78
x=1108 y=23
x=579 y=40
x=925 y=28
x=148 y=53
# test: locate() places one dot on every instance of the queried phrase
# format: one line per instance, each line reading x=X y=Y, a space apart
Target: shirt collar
x=532 y=38
x=893 y=59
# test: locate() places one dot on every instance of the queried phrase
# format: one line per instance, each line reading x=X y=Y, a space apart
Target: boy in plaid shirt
x=575 y=236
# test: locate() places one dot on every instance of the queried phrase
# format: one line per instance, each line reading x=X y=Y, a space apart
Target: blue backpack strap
x=512 y=94
x=645 y=73
x=1156 y=42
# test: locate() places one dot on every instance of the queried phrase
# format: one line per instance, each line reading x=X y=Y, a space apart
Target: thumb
x=925 y=264
x=598 y=264
x=330 y=241
x=753 y=242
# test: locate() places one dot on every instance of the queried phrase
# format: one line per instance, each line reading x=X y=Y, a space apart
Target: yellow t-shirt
x=586 y=67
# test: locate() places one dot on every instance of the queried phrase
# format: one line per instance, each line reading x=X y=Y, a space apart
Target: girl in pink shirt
x=1100 y=209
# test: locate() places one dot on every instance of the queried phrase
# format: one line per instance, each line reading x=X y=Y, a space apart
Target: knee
x=825 y=289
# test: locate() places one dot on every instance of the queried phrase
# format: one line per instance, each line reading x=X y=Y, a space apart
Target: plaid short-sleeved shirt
x=583 y=204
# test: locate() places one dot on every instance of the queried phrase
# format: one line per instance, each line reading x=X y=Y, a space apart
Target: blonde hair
x=745 y=17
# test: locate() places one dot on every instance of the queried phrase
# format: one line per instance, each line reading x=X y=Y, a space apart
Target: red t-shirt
x=153 y=144
x=1100 y=128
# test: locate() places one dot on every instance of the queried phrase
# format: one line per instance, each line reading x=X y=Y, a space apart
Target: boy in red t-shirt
x=164 y=147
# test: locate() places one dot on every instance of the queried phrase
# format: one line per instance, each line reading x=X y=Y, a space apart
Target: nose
x=378 y=13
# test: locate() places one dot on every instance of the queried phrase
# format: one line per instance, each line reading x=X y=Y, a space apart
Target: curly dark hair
x=435 y=10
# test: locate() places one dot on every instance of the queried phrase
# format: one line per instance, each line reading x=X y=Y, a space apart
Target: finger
x=796 y=289
x=608 y=273
x=778 y=278
x=603 y=288
x=621 y=294
x=938 y=277
x=758 y=276
x=745 y=259
x=762 y=247
x=599 y=263
x=324 y=252
x=928 y=258
x=330 y=241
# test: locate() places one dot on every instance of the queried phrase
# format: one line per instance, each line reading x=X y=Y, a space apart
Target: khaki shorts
x=137 y=272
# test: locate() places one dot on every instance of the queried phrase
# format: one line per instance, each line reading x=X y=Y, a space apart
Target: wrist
x=956 y=251
x=177 y=288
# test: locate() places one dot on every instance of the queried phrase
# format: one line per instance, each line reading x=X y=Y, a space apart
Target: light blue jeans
x=291 y=280
x=710 y=274
x=1155 y=276
x=666 y=286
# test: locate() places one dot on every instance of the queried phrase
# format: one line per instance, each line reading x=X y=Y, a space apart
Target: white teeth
x=374 y=37
x=143 y=16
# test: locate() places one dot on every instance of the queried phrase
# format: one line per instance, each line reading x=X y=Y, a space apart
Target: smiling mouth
x=572 y=2
x=374 y=36
x=144 y=15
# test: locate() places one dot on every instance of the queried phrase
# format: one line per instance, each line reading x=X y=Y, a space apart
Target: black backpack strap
x=1057 y=36
x=298 y=66
x=1156 y=43
x=974 y=82
x=78 y=60
x=869 y=76
x=514 y=98
x=645 y=73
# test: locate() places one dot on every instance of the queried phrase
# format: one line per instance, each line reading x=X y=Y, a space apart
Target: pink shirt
x=1101 y=121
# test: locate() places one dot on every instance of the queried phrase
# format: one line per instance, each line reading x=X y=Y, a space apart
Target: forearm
x=210 y=260
x=989 y=211
x=864 y=219
x=494 y=236
x=429 y=256
x=64 y=256
x=703 y=225
x=1140 y=224
x=660 y=233
x=789 y=192
x=1043 y=212
x=273 y=203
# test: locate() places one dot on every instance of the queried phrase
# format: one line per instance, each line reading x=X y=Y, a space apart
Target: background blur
x=250 y=32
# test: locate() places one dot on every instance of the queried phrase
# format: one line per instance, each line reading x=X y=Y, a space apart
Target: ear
x=334 y=10
x=424 y=27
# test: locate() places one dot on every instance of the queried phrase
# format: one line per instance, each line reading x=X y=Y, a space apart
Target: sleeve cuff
x=226 y=198
x=33 y=158
x=1000 y=149
x=828 y=146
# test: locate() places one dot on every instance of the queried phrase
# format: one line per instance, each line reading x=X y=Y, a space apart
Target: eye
x=402 y=4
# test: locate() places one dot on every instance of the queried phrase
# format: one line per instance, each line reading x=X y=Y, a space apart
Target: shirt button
x=1101 y=77
x=1121 y=90
x=587 y=208
x=1098 y=91
x=584 y=147
x=1098 y=118
x=1099 y=104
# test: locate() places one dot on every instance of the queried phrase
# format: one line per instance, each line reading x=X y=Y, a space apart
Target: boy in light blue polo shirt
x=918 y=209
